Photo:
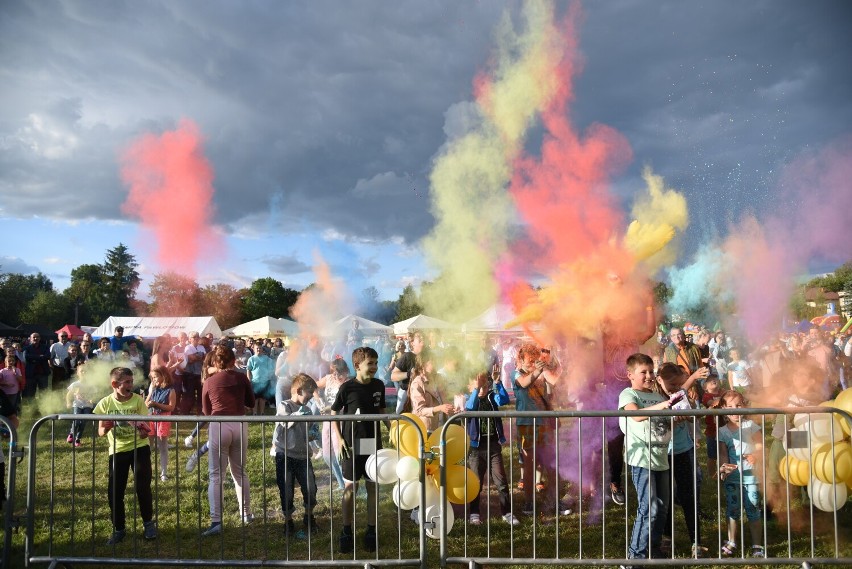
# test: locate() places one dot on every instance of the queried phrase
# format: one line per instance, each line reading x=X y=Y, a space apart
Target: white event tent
x=492 y=320
x=154 y=326
x=368 y=327
x=265 y=327
x=422 y=322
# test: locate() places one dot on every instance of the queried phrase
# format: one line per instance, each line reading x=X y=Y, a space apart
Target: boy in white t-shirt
x=647 y=446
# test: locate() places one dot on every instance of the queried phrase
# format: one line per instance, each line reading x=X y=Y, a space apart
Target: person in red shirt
x=226 y=393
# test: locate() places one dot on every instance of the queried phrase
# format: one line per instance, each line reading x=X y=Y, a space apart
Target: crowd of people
x=435 y=378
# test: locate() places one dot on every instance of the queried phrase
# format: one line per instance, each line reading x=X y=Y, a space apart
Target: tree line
x=98 y=291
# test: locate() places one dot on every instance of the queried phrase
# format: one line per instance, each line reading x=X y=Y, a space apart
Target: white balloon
x=822 y=430
x=406 y=494
x=821 y=496
x=433 y=495
x=370 y=467
x=408 y=468
x=433 y=514
x=385 y=468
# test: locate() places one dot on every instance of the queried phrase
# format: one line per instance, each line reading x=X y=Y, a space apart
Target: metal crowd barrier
x=67 y=501
x=597 y=531
x=68 y=518
x=10 y=456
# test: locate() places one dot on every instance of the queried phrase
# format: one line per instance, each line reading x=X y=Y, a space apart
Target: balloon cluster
x=401 y=467
x=824 y=466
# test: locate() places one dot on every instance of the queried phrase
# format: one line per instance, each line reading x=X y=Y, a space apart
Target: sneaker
x=70 y=439
x=565 y=509
x=758 y=551
x=520 y=484
x=539 y=487
x=616 y=493
x=289 y=528
x=301 y=534
x=189 y=441
x=370 y=538
x=150 y=531
x=116 y=537
x=698 y=551
x=163 y=477
x=474 y=520
x=527 y=510
x=191 y=462
x=347 y=543
x=214 y=529
x=78 y=443
x=248 y=518
x=511 y=519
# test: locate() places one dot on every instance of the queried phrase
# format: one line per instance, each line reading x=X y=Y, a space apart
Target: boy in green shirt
x=128 y=448
x=647 y=446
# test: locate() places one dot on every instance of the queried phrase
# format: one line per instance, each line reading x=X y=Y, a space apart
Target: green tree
x=224 y=302
x=87 y=295
x=662 y=294
x=267 y=297
x=836 y=281
x=120 y=280
x=408 y=304
x=173 y=294
x=49 y=308
x=17 y=291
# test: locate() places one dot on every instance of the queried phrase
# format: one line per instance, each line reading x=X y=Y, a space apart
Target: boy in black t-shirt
x=359 y=439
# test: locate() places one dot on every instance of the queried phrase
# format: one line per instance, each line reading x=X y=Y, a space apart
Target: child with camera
x=486 y=444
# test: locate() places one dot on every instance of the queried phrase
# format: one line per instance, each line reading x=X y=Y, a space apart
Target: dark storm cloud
x=286 y=264
x=717 y=96
x=327 y=114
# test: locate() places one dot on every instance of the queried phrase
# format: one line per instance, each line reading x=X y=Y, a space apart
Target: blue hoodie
x=496 y=397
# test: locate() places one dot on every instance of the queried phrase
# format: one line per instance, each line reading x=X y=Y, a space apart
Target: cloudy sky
x=322 y=119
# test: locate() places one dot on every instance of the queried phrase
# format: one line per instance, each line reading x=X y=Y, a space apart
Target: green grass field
x=71 y=516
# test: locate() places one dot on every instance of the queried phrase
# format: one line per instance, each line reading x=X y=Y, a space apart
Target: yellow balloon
x=458 y=443
x=832 y=468
x=799 y=470
x=844 y=401
x=404 y=435
x=462 y=484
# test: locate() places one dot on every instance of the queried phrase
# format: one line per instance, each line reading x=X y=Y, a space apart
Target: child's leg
x=478 y=465
x=371 y=502
x=142 y=474
x=639 y=537
x=304 y=474
x=348 y=502
x=77 y=425
x=751 y=496
x=615 y=454
x=163 y=449
x=498 y=475
x=732 y=501
x=237 y=456
x=119 y=469
x=284 y=479
x=683 y=473
x=660 y=498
